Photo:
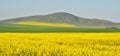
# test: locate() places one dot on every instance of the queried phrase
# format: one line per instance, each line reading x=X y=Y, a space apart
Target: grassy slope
x=28 y=28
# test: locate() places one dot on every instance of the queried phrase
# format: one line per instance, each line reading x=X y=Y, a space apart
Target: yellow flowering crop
x=59 y=44
x=44 y=24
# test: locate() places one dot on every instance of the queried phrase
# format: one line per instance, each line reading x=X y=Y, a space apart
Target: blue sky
x=101 y=9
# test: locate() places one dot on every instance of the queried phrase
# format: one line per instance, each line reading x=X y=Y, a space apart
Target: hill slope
x=65 y=18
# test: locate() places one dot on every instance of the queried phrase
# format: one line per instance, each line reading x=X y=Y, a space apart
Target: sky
x=100 y=9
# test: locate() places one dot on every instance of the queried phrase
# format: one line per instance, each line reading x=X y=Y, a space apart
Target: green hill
x=57 y=22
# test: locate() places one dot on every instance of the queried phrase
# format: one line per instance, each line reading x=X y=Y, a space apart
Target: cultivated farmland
x=59 y=44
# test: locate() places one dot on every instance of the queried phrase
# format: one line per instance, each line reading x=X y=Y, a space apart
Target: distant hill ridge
x=65 y=18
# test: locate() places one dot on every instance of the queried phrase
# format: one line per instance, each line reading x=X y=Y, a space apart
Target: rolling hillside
x=57 y=22
x=63 y=18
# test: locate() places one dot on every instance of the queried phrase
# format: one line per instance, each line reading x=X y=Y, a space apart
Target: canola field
x=44 y=24
x=59 y=44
